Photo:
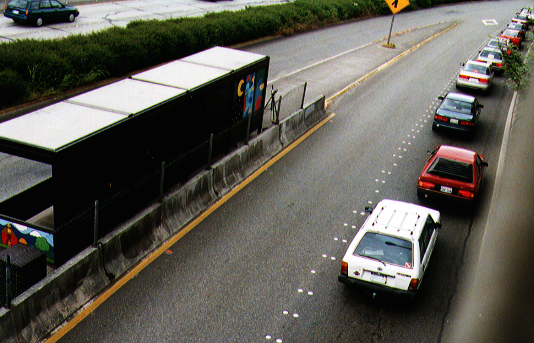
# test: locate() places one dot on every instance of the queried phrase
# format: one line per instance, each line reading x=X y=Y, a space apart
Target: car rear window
x=511 y=33
x=452 y=169
x=456 y=106
x=491 y=54
x=18 y=3
x=385 y=248
x=476 y=68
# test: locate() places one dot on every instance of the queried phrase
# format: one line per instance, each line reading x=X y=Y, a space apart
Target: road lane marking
x=91 y=306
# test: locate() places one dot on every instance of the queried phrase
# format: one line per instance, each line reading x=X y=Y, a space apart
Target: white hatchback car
x=392 y=249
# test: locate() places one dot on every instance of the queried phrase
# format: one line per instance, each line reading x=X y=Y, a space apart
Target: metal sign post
x=395 y=6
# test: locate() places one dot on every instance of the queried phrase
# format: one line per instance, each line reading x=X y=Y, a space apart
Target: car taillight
x=463 y=76
x=413 y=285
x=498 y=64
x=467 y=123
x=438 y=117
x=344 y=268
x=483 y=80
x=480 y=60
x=466 y=194
x=425 y=184
x=27 y=12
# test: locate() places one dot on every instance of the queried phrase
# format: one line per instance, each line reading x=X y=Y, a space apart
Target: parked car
x=39 y=11
x=519 y=27
x=521 y=18
x=457 y=112
x=528 y=11
x=452 y=172
x=476 y=75
x=493 y=56
x=514 y=36
x=391 y=251
x=500 y=43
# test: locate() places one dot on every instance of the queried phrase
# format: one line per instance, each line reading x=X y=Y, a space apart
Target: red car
x=453 y=173
x=514 y=36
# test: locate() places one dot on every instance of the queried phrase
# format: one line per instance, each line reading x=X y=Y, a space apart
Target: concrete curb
x=42 y=308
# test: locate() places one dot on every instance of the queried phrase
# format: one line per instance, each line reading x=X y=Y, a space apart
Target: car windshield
x=456 y=106
x=452 y=169
x=476 y=68
x=387 y=249
x=491 y=54
x=18 y=3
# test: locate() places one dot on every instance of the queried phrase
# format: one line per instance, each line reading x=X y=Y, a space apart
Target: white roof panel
x=127 y=96
x=57 y=125
x=181 y=74
x=224 y=58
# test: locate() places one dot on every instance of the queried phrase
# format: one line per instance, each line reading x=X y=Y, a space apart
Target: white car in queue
x=392 y=249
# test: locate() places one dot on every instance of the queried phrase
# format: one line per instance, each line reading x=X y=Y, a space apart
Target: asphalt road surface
x=263 y=267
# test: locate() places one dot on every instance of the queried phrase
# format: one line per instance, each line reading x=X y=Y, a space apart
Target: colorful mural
x=13 y=233
x=248 y=95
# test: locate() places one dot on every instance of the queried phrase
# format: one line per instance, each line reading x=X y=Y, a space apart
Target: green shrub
x=38 y=68
x=12 y=87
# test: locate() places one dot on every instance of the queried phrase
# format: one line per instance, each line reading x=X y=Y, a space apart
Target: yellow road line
x=146 y=261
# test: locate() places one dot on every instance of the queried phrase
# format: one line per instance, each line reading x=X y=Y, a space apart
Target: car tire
x=420 y=194
x=39 y=22
x=434 y=127
x=71 y=17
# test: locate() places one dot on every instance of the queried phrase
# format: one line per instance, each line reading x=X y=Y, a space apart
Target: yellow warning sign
x=397 y=5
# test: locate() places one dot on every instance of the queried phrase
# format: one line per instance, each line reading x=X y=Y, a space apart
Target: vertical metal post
x=248 y=127
x=210 y=150
x=303 y=95
x=278 y=110
x=8 y=281
x=95 y=226
x=391 y=27
x=161 y=180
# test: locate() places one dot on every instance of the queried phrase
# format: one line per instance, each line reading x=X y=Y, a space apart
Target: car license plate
x=454 y=121
x=378 y=278
x=446 y=189
x=15 y=12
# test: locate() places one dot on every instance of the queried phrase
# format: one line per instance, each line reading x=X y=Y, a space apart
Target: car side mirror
x=429 y=151
x=484 y=163
x=480 y=106
x=437 y=225
x=368 y=209
x=441 y=97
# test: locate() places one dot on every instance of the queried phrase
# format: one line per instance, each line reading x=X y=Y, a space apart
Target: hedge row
x=32 y=69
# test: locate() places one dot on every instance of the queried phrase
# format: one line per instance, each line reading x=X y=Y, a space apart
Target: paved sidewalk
x=499 y=306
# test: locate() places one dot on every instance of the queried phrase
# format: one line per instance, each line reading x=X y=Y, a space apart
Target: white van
x=392 y=249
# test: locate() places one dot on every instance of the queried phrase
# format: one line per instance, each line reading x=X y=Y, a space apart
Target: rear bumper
x=474 y=85
x=442 y=124
x=374 y=286
x=427 y=193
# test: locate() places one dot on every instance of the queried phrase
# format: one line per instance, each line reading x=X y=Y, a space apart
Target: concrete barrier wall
x=46 y=305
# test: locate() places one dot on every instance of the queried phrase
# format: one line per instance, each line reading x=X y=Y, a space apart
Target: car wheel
x=39 y=22
x=420 y=194
x=434 y=127
x=71 y=17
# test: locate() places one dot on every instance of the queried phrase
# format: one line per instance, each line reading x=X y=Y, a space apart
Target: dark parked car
x=39 y=11
x=458 y=112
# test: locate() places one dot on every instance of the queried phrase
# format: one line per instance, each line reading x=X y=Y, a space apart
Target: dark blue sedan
x=39 y=11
